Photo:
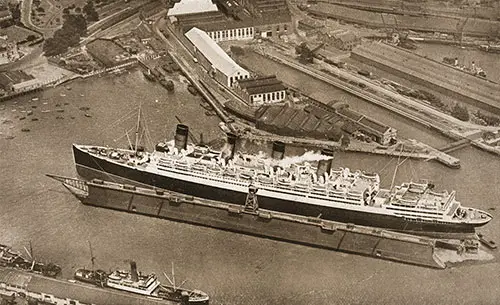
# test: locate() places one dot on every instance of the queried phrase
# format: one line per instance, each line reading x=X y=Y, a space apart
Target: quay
x=434 y=154
x=455 y=145
x=452 y=25
x=250 y=219
x=14 y=282
x=443 y=78
x=428 y=152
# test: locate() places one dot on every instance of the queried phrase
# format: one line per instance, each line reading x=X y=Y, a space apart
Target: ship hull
x=90 y=167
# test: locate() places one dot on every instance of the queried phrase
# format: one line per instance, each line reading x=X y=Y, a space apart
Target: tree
x=90 y=12
x=345 y=140
x=74 y=27
x=460 y=112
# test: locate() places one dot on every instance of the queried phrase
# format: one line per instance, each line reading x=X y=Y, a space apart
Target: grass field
x=17 y=34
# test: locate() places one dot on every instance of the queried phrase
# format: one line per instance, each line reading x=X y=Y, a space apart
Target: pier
x=456 y=145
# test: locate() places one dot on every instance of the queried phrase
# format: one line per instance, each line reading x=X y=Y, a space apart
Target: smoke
x=308 y=156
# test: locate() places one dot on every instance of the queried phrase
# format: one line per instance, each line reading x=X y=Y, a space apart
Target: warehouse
x=261 y=90
x=214 y=59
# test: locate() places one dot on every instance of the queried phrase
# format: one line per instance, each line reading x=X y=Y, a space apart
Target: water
x=487 y=61
x=231 y=268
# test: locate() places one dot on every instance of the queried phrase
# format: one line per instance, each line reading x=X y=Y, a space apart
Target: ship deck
x=33 y=284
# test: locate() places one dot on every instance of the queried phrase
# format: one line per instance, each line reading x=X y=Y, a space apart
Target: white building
x=189 y=7
x=243 y=33
x=214 y=59
x=261 y=90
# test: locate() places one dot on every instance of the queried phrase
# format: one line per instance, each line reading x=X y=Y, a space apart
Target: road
x=26 y=19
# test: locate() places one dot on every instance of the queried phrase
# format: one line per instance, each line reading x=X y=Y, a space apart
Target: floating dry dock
x=245 y=219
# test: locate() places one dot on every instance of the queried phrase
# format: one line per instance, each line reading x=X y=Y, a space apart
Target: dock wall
x=436 y=76
x=275 y=225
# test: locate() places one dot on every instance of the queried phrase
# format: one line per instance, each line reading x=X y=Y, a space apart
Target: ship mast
x=92 y=257
x=137 y=130
x=396 y=169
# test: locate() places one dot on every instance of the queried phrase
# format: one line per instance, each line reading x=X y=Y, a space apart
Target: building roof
x=13 y=77
x=265 y=89
x=274 y=17
x=376 y=126
x=346 y=37
x=192 y=7
x=259 y=81
x=211 y=50
x=218 y=25
x=261 y=84
x=27 y=83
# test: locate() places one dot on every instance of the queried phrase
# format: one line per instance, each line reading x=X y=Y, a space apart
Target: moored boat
x=144 y=284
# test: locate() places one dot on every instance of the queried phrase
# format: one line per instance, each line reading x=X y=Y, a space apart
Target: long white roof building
x=214 y=53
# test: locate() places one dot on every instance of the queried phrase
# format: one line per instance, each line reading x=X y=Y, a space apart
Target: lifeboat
x=264 y=178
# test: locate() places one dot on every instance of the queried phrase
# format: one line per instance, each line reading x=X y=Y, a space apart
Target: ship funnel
x=133 y=272
x=278 y=152
x=181 y=134
x=231 y=145
x=324 y=166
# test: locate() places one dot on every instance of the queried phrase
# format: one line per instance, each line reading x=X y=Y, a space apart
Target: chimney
x=133 y=272
x=231 y=143
x=278 y=152
x=181 y=134
x=324 y=166
x=456 y=61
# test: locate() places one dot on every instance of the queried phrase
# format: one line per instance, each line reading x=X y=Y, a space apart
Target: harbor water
x=232 y=268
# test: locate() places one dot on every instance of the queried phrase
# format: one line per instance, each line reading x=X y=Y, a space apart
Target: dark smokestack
x=278 y=152
x=181 y=134
x=133 y=272
x=231 y=143
x=324 y=166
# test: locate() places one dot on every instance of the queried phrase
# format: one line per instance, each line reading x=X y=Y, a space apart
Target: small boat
x=192 y=90
x=488 y=243
x=34 y=99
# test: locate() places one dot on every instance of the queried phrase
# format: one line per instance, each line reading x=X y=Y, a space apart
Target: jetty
x=252 y=220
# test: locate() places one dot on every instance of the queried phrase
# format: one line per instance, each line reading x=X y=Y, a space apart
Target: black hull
x=89 y=167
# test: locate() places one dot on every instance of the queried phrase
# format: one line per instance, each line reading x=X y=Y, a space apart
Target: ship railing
x=71 y=182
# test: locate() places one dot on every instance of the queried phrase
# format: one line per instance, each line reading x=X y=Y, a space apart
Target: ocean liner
x=281 y=185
